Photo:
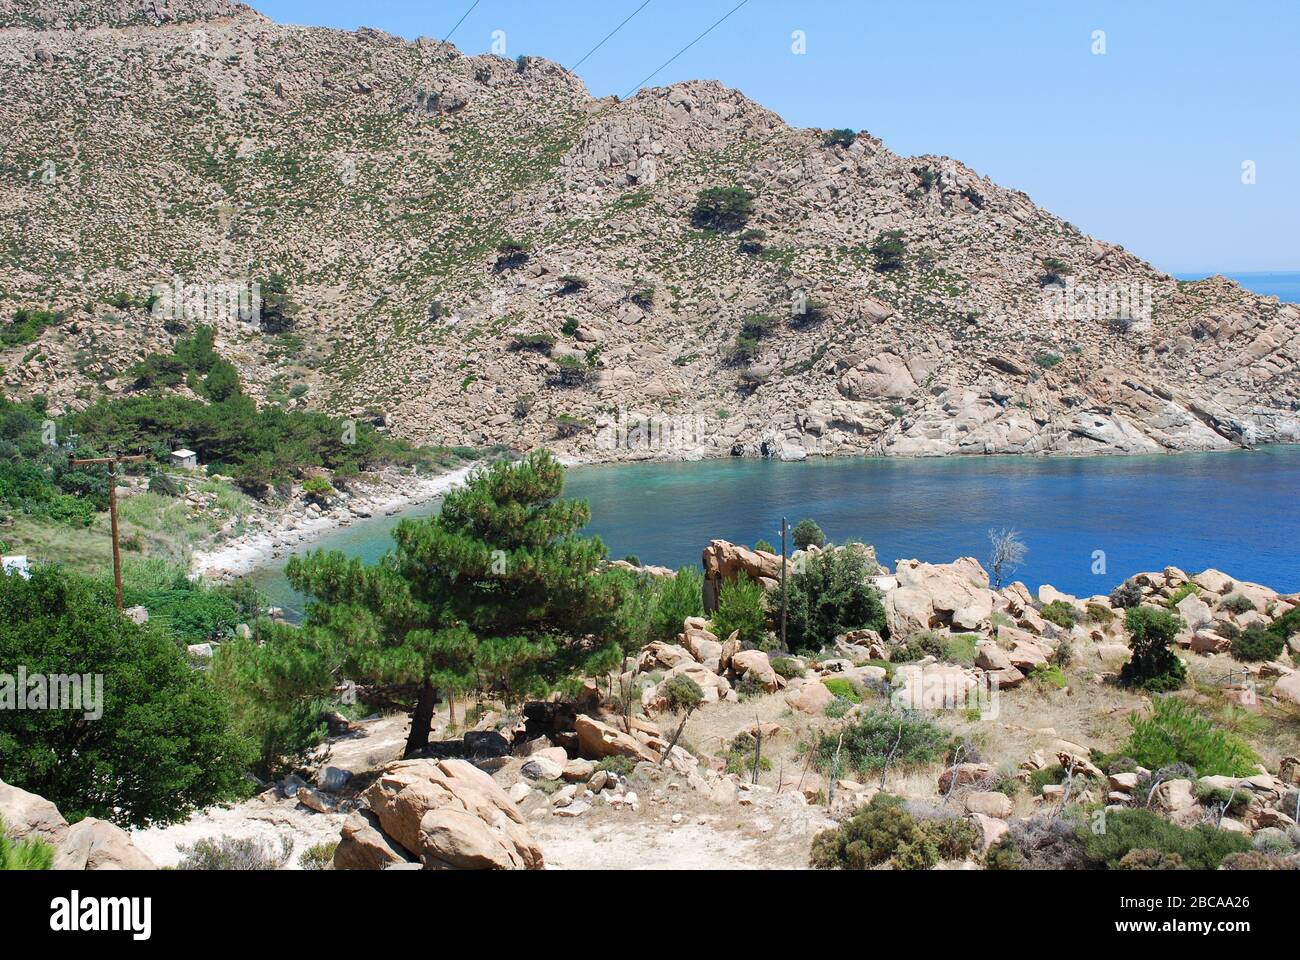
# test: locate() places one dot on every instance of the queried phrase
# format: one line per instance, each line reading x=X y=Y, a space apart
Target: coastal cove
x=1234 y=511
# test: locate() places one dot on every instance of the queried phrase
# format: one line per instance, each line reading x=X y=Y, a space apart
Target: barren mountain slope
x=200 y=143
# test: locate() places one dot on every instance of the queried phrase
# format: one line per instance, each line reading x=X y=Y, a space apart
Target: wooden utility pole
x=112 y=462
x=784 y=527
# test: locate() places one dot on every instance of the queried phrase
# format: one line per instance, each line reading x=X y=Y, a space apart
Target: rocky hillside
x=156 y=144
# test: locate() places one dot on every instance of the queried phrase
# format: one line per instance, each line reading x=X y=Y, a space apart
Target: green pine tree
x=497 y=593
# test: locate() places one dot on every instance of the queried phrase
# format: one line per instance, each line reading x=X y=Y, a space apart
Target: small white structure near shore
x=185 y=458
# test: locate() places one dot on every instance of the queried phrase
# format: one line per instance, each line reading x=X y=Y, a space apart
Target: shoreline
x=241 y=555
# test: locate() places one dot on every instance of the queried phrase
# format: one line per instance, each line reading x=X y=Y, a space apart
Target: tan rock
x=364 y=845
x=596 y=739
x=754 y=663
x=93 y=844
x=990 y=803
x=29 y=815
x=809 y=696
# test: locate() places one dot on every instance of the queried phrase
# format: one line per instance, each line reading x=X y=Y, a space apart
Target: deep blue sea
x=1089 y=522
x=1284 y=286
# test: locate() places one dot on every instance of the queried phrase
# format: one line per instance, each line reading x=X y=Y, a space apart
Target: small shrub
x=232 y=853
x=889 y=251
x=682 y=694
x=1145 y=858
x=1048 y=675
x=618 y=765
x=1256 y=644
x=1186 y=590
x=843 y=137
x=1238 y=604
x=29 y=854
x=1004 y=855
x=880 y=832
x=764 y=546
x=1254 y=860
x=831 y=596
x=740 y=756
x=572 y=284
x=318 y=857
x=1100 y=613
x=880 y=737
x=1126 y=596
x=1200 y=848
x=1176 y=732
x=1060 y=613
x=749 y=687
x=787 y=668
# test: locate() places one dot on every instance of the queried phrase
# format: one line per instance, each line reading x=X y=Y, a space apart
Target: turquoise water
x=1235 y=511
x=1284 y=286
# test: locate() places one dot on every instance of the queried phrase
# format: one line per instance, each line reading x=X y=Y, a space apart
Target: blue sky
x=1142 y=145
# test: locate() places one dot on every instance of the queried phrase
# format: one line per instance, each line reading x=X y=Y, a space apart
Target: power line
x=685 y=48
x=610 y=34
x=461 y=20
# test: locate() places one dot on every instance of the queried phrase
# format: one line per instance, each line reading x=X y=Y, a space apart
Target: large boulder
x=99 y=845
x=724 y=561
x=447 y=814
x=809 y=695
x=596 y=739
x=883 y=376
x=953 y=595
x=29 y=815
x=365 y=846
x=755 y=664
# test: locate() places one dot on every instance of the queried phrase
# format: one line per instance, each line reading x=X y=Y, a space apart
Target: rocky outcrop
x=445 y=815
x=89 y=844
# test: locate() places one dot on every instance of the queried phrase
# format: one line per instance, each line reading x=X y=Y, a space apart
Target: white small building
x=185 y=458
x=16 y=563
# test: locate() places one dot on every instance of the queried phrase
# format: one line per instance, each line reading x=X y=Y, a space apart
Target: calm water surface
x=1237 y=511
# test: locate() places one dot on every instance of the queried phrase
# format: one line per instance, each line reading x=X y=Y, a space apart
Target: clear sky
x=1141 y=145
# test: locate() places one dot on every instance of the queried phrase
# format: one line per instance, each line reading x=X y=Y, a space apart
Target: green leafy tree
x=165 y=743
x=831 y=596
x=807 y=534
x=1153 y=665
x=890 y=251
x=279 y=311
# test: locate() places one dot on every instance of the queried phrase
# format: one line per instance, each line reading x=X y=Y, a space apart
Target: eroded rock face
x=596 y=739
x=444 y=814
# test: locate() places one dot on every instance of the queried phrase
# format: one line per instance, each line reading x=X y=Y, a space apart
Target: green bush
x=1100 y=613
x=722 y=209
x=682 y=694
x=1256 y=644
x=842 y=137
x=828 y=597
x=884 y=832
x=618 y=765
x=742 y=607
x=1200 y=848
x=1153 y=665
x=1060 y=613
x=787 y=668
x=1148 y=859
x=1176 y=732
x=319 y=856
x=878 y=737
x=1004 y=855
x=1238 y=604
x=890 y=251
